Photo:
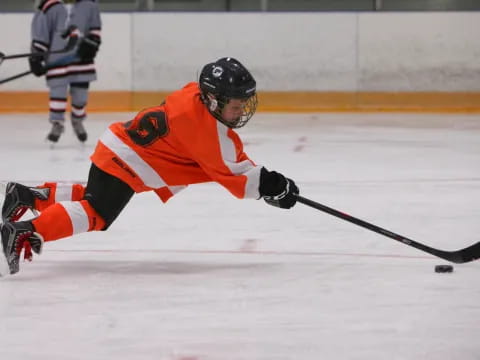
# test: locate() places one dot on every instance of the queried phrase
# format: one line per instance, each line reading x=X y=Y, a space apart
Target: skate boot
x=20 y=198
x=79 y=129
x=57 y=130
x=16 y=236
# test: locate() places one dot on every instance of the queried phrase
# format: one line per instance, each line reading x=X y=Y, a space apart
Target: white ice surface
x=210 y=277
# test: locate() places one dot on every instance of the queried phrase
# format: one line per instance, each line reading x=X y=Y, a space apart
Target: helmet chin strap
x=213 y=105
x=215 y=109
x=212 y=102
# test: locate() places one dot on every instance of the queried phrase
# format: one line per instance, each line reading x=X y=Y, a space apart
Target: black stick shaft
x=25 y=73
x=62 y=61
x=461 y=256
x=18 y=56
x=67 y=48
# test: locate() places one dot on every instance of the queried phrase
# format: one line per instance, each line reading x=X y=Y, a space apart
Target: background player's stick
x=18 y=56
x=70 y=45
x=459 y=256
x=62 y=61
x=25 y=73
x=38 y=54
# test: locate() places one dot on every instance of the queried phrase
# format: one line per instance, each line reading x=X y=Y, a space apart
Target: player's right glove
x=71 y=33
x=277 y=190
x=37 y=65
x=88 y=48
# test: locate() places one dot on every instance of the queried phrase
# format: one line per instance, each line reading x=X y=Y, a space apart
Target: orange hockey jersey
x=167 y=147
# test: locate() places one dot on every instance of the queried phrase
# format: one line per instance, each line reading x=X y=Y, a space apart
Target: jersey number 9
x=150 y=127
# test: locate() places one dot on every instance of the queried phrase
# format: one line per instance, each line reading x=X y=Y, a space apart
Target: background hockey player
x=188 y=139
x=53 y=25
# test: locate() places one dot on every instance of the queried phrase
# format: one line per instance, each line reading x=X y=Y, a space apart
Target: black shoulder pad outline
x=47 y=4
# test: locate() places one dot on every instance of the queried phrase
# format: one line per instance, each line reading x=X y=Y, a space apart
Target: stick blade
x=462 y=256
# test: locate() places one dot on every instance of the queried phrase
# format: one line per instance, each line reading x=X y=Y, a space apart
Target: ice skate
x=20 y=198
x=55 y=132
x=79 y=130
x=15 y=237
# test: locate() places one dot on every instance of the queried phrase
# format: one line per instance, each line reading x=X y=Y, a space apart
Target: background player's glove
x=71 y=33
x=277 y=190
x=37 y=65
x=88 y=48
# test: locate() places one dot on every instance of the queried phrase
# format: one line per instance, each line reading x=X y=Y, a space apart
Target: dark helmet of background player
x=227 y=79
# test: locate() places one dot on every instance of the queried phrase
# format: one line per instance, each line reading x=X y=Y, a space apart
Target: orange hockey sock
x=59 y=192
x=67 y=218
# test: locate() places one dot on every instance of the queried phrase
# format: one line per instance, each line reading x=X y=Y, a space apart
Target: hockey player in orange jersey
x=188 y=139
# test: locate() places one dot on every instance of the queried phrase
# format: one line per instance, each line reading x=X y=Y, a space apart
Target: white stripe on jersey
x=70 y=69
x=77 y=215
x=39 y=46
x=246 y=167
x=63 y=192
x=177 y=188
x=148 y=175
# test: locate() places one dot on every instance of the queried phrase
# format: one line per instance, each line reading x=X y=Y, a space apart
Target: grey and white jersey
x=48 y=24
x=85 y=15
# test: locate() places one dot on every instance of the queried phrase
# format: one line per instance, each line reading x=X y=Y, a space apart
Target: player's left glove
x=277 y=190
x=37 y=65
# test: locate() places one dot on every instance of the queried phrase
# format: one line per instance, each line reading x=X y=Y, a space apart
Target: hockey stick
x=459 y=256
x=62 y=61
x=18 y=56
x=38 y=54
x=25 y=73
x=70 y=45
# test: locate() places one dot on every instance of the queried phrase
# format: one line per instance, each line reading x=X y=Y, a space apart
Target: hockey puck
x=443 y=268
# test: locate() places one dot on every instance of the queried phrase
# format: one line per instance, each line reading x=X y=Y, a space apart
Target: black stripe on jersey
x=80 y=62
x=44 y=8
x=42 y=3
x=58 y=99
x=83 y=62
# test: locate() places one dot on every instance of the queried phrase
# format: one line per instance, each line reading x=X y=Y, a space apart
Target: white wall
x=419 y=51
x=285 y=51
x=15 y=39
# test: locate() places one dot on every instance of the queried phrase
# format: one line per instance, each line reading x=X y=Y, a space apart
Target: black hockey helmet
x=227 y=79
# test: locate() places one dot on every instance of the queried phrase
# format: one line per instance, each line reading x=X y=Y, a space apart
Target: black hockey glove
x=88 y=48
x=277 y=190
x=71 y=33
x=37 y=65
